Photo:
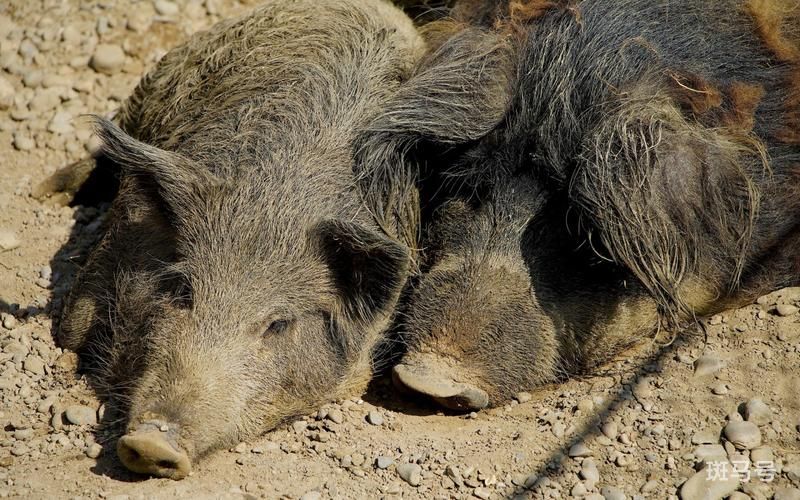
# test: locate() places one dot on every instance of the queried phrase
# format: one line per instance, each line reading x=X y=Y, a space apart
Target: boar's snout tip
x=152 y=452
x=428 y=375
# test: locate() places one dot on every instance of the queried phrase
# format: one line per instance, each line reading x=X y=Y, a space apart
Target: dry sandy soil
x=638 y=429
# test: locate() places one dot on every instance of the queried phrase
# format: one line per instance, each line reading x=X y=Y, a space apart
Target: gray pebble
x=720 y=389
x=758 y=412
x=612 y=493
x=786 y=310
x=166 y=8
x=482 y=493
x=23 y=142
x=61 y=123
x=610 y=430
x=81 y=415
x=94 y=450
x=375 y=418
x=579 y=450
x=107 y=58
x=9 y=321
x=523 y=397
x=7 y=93
x=20 y=449
x=786 y=494
x=23 y=434
x=383 y=462
x=589 y=471
x=335 y=415
x=743 y=435
x=700 y=487
x=707 y=364
x=34 y=364
x=311 y=495
x=410 y=473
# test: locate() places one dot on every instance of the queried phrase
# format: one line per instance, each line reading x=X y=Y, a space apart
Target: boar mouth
x=429 y=375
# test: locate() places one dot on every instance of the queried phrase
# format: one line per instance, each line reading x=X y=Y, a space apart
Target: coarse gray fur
x=661 y=142
x=243 y=280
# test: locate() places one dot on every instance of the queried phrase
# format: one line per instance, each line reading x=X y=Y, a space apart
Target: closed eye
x=277 y=327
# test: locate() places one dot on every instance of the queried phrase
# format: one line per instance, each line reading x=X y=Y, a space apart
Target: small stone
x=649 y=486
x=482 y=493
x=589 y=471
x=758 y=412
x=524 y=397
x=311 y=495
x=786 y=494
x=22 y=142
x=738 y=495
x=299 y=426
x=383 y=462
x=705 y=437
x=19 y=449
x=410 y=473
x=166 y=8
x=81 y=415
x=579 y=450
x=531 y=481
x=743 y=435
x=375 y=418
x=786 y=309
x=704 y=486
x=107 y=58
x=94 y=450
x=7 y=93
x=9 y=321
x=720 y=389
x=34 y=364
x=335 y=415
x=23 y=434
x=610 y=430
x=61 y=123
x=762 y=454
x=579 y=489
x=710 y=453
x=612 y=493
x=585 y=405
x=240 y=448
x=707 y=364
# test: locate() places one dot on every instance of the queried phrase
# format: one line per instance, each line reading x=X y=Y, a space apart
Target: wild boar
x=645 y=171
x=244 y=278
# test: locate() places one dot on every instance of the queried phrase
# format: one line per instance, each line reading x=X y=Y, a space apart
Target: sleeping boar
x=645 y=171
x=244 y=278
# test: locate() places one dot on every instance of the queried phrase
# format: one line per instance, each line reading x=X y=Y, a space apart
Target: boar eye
x=277 y=327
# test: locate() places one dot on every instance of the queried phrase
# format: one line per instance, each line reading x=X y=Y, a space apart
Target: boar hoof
x=429 y=378
x=152 y=452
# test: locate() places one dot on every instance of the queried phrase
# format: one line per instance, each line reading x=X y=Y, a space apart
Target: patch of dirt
x=640 y=428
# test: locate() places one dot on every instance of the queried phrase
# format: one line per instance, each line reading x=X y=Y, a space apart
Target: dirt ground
x=638 y=429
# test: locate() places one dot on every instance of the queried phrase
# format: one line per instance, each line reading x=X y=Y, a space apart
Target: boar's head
x=263 y=311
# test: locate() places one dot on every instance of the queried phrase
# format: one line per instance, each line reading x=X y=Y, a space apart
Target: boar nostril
x=154 y=453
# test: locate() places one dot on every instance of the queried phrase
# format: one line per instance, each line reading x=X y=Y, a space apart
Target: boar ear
x=369 y=270
x=458 y=94
x=170 y=178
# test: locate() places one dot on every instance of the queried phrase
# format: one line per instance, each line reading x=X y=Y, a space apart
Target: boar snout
x=430 y=375
x=149 y=450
